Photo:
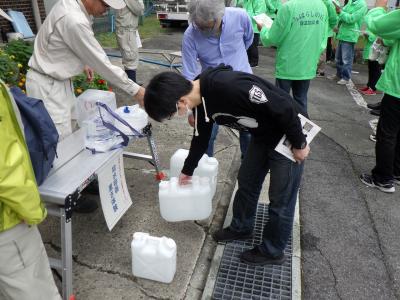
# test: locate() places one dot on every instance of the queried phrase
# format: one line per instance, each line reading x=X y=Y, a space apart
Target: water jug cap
x=126 y=110
x=170 y=243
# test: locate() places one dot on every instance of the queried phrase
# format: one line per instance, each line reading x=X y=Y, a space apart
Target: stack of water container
x=155 y=257
x=192 y=201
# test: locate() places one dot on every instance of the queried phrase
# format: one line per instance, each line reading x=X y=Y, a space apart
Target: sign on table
x=114 y=194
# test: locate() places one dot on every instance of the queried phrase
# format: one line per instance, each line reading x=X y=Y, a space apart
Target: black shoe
x=396 y=180
x=131 y=74
x=375 y=105
x=368 y=180
x=375 y=112
x=92 y=188
x=85 y=205
x=227 y=235
x=255 y=257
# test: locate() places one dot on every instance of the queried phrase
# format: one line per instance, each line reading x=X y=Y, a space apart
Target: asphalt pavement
x=349 y=232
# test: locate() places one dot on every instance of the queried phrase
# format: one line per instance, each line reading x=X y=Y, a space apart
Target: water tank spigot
x=126 y=110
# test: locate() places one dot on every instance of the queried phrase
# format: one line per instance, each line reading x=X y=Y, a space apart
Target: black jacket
x=246 y=102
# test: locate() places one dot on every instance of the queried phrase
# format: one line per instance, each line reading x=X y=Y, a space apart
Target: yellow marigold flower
x=20 y=66
x=24 y=91
x=12 y=56
x=79 y=91
x=20 y=84
x=23 y=79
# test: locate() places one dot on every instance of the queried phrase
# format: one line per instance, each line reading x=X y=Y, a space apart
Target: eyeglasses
x=176 y=112
x=205 y=28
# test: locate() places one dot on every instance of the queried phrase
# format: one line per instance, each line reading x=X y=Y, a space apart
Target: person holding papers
x=253 y=8
x=242 y=101
x=299 y=32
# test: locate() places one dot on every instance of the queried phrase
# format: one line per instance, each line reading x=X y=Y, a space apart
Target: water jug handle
x=118 y=118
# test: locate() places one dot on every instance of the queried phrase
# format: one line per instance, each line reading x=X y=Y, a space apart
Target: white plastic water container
x=153 y=258
x=86 y=104
x=134 y=115
x=185 y=202
x=207 y=167
x=97 y=136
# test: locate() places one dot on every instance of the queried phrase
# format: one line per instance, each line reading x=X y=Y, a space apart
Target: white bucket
x=153 y=258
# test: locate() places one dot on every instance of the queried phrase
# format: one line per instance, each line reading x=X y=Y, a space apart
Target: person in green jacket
x=386 y=172
x=329 y=33
x=24 y=267
x=299 y=32
x=374 y=68
x=350 y=19
x=272 y=7
x=253 y=8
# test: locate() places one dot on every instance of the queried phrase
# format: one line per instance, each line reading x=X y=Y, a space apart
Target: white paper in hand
x=264 y=20
x=310 y=130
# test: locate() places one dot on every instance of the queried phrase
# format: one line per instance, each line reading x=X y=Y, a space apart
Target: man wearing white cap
x=65 y=45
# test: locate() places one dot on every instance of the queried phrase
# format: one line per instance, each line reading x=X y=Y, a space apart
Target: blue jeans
x=344 y=59
x=284 y=186
x=244 y=139
x=299 y=90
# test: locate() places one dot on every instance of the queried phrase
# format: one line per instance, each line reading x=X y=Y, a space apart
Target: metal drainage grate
x=236 y=280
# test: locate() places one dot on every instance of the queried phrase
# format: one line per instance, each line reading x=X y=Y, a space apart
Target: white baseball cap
x=116 y=4
x=4 y=15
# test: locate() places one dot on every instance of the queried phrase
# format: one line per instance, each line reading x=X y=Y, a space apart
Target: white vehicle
x=171 y=12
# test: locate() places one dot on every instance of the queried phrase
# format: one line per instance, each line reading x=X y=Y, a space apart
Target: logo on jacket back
x=256 y=95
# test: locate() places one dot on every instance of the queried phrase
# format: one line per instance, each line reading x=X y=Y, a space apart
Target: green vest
x=350 y=19
x=253 y=8
x=298 y=32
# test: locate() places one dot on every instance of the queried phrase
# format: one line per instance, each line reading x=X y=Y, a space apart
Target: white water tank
x=153 y=258
x=185 y=202
x=86 y=107
x=134 y=115
x=207 y=167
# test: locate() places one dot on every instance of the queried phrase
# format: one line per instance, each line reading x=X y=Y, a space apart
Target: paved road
x=349 y=234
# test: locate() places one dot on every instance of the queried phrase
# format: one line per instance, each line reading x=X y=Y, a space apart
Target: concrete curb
x=296 y=255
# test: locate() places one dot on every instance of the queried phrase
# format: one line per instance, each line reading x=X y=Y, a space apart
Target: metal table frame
x=61 y=191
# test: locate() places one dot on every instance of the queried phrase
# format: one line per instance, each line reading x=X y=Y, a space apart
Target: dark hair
x=163 y=93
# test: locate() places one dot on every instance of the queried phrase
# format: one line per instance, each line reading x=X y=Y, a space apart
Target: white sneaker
x=332 y=77
x=342 y=82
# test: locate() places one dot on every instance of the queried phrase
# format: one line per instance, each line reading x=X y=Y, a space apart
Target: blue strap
x=111 y=127
x=118 y=118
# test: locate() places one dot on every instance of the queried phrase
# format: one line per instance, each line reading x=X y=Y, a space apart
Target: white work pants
x=24 y=266
x=58 y=98
x=126 y=39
